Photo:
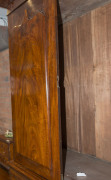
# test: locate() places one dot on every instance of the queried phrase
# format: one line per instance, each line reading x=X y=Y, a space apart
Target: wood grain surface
x=87 y=60
x=69 y=9
x=4 y=174
x=71 y=79
x=101 y=37
x=33 y=64
x=87 y=99
x=29 y=93
x=11 y=4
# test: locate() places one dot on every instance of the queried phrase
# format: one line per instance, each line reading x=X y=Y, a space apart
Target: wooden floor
x=3 y=174
x=95 y=169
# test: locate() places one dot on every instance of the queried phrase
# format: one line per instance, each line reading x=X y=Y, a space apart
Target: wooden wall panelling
x=71 y=68
x=79 y=89
x=93 y=33
x=101 y=37
x=87 y=99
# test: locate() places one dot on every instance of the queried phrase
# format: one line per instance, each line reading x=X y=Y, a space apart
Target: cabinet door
x=33 y=67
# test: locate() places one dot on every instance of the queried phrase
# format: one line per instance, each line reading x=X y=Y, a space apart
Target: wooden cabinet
x=85 y=51
x=33 y=68
x=6 y=151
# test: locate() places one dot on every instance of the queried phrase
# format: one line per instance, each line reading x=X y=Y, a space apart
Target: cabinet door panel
x=28 y=67
x=34 y=95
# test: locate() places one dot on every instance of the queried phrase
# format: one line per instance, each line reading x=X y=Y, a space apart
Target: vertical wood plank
x=71 y=83
x=87 y=104
x=87 y=59
x=101 y=37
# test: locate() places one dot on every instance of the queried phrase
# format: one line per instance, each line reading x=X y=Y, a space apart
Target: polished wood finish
x=33 y=68
x=27 y=4
x=29 y=92
x=4 y=174
x=52 y=55
x=87 y=53
x=6 y=151
x=19 y=172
